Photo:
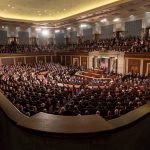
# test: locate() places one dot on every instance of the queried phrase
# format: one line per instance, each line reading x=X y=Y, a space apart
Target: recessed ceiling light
x=45 y=32
x=12 y=7
x=69 y=28
x=104 y=20
x=57 y=31
x=44 y=27
x=64 y=9
x=9 y=5
x=131 y=15
x=38 y=29
x=39 y=14
x=83 y=25
x=147 y=14
x=116 y=19
x=3 y=27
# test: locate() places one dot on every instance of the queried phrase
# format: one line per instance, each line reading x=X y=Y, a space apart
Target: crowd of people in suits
x=55 y=89
x=132 y=44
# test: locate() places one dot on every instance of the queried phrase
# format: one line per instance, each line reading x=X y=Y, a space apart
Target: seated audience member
x=128 y=44
x=55 y=89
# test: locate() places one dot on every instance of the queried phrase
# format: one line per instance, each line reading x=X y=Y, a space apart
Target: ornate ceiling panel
x=41 y=10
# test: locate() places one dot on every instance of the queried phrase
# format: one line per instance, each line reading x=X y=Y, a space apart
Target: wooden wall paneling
x=76 y=60
x=84 y=61
x=19 y=60
x=63 y=60
x=137 y=55
x=59 y=59
x=48 y=59
x=73 y=53
x=125 y=66
x=68 y=60
x=40 y=59
x=55 y=59
x=7 y=61
x=96 y=36
x=0 y=61
x=30 y=60
x=146 y=64
x=134 y=65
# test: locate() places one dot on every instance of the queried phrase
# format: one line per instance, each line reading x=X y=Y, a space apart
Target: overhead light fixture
x=57 y=31
x=104 y=20
x=116 y=19
x=69 y=28
x=45 y=32
x=44 y=27
x=132 y=17
x=38 y=29
x=147 y=14
x=3 y=27
x=83 y=25
x=18 y=28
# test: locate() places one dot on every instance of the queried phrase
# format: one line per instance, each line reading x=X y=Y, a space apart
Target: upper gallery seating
x=121 y=45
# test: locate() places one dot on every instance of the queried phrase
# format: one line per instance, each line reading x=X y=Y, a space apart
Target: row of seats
x=30 y=94
x=132 y=44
